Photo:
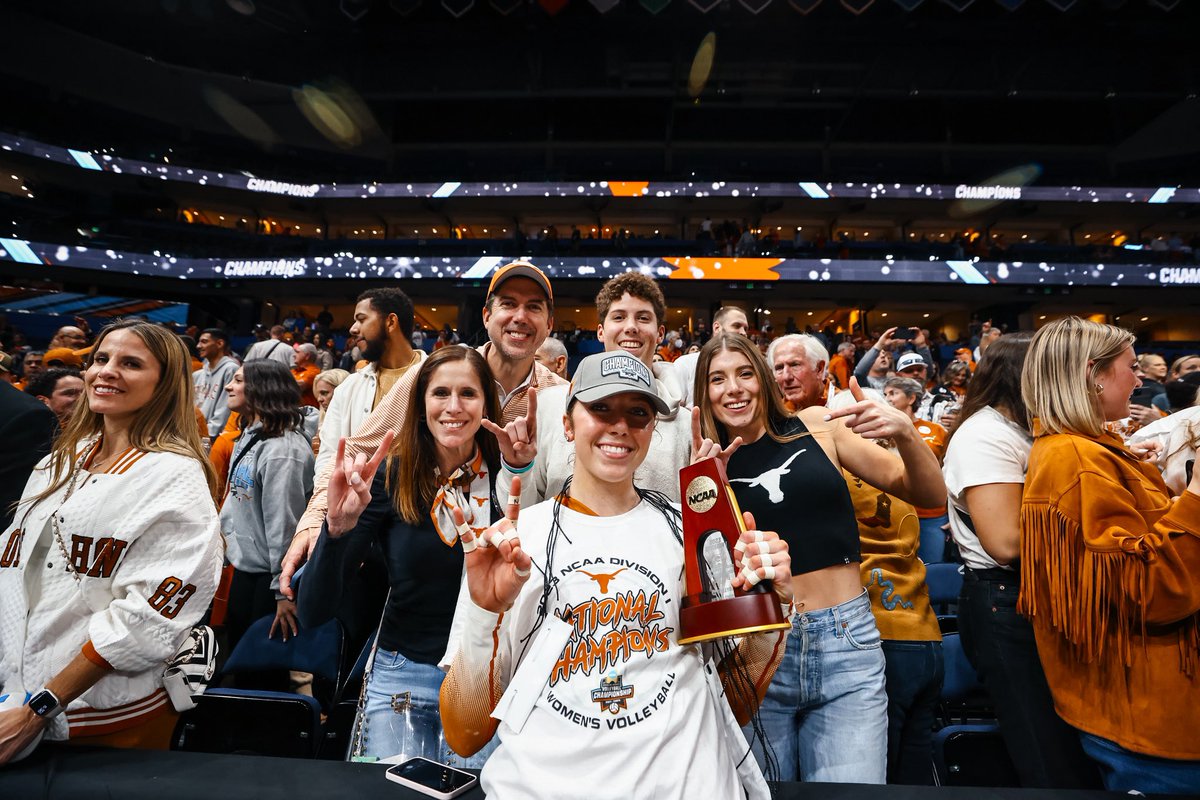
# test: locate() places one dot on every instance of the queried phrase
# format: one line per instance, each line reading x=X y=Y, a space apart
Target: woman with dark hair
x=825 y=713
x=1110 y=566
x=113 y=554
x=984 y=468
x=270 y=479
x=442 y=462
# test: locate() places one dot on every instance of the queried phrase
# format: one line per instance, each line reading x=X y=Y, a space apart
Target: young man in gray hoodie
x=210 y=380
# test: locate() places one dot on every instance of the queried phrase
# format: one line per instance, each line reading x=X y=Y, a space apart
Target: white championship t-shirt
x=626 y=711
x=987 y=448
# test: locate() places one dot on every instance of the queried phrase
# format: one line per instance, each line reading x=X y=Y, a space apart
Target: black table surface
x=76 y=773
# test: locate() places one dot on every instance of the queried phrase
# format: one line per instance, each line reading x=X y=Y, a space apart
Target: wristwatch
x=45 y=705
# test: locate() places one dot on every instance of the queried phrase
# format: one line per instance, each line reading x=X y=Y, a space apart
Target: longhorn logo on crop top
x=626 y=367
x=769 y=480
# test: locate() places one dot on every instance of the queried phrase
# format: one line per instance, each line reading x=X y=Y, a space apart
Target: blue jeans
x=825 y=712
x=1123 y=770
x=932 y=548
x=402 y=715
x=914 y=683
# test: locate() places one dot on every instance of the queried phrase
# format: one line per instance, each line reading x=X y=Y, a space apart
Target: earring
x=1099 y=388
x=570 y=437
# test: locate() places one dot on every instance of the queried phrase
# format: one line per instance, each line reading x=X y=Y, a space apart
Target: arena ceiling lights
x=739 y=273
x=105 y=162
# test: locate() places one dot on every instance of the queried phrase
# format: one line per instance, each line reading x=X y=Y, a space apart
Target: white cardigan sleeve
x=166 y=581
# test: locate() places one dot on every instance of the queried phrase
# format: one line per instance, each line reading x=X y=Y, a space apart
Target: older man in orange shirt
x=306 y=371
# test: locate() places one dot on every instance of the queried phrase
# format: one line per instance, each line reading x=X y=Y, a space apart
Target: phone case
x=429 y=790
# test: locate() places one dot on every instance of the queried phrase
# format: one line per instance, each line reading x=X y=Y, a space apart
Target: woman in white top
x=113 y=554
x=985 y=473
x=610 y=695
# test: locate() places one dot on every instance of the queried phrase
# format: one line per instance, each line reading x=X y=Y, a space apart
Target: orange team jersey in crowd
x=222 y=450
x=304 y=378
x=933 y=435
x=840 y=369
x=668 y=353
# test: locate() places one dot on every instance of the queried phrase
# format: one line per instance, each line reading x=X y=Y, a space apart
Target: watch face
x=43 y=703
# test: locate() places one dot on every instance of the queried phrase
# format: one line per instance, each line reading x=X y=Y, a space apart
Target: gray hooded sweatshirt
x=268 y=490
x=211 y=398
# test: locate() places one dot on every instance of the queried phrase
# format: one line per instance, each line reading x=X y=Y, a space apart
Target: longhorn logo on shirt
x=769 y=480
x=603 y=578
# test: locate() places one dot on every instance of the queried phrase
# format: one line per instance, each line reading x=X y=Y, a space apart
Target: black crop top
x=794 y=490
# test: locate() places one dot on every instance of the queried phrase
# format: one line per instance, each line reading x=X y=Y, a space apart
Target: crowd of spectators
x=929 y=441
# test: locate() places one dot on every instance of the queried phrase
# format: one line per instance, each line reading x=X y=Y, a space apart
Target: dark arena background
x=932 y=161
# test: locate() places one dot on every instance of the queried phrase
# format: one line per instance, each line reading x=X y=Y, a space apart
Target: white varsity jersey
x=145 y=540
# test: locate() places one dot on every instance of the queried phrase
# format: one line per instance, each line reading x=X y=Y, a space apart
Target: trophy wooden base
x=701 y=621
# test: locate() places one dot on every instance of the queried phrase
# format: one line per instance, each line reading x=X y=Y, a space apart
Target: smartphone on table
x=431 y=778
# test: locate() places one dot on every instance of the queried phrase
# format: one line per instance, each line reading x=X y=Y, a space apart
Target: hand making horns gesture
x=497 y=567
x=517 y=439
x=350 y=485
x=703 y=448
x=872 y=420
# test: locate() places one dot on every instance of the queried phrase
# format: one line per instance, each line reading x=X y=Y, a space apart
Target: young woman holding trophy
x=571 y=619
x=827 y=724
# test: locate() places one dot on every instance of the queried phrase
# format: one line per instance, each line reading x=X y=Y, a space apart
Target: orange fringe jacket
x=1110 y=579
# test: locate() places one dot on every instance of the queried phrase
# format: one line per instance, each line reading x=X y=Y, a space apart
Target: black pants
x=251 y=597
x=914 y=673
x=1000 y=644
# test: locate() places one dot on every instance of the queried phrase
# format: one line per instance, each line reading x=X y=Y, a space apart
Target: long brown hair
x=166 y=424
x=272 y=398
x=997 y=381
x=414 y=453
x=772 y=410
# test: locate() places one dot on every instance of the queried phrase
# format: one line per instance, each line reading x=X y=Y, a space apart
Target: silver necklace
x=54 y=518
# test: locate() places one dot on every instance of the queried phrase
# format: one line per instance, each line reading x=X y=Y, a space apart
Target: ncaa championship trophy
x=712 y=524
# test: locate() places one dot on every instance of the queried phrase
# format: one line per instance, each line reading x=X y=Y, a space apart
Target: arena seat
x=267 y=722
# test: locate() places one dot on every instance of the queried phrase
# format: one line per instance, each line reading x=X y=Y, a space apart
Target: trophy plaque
x=712 y=524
